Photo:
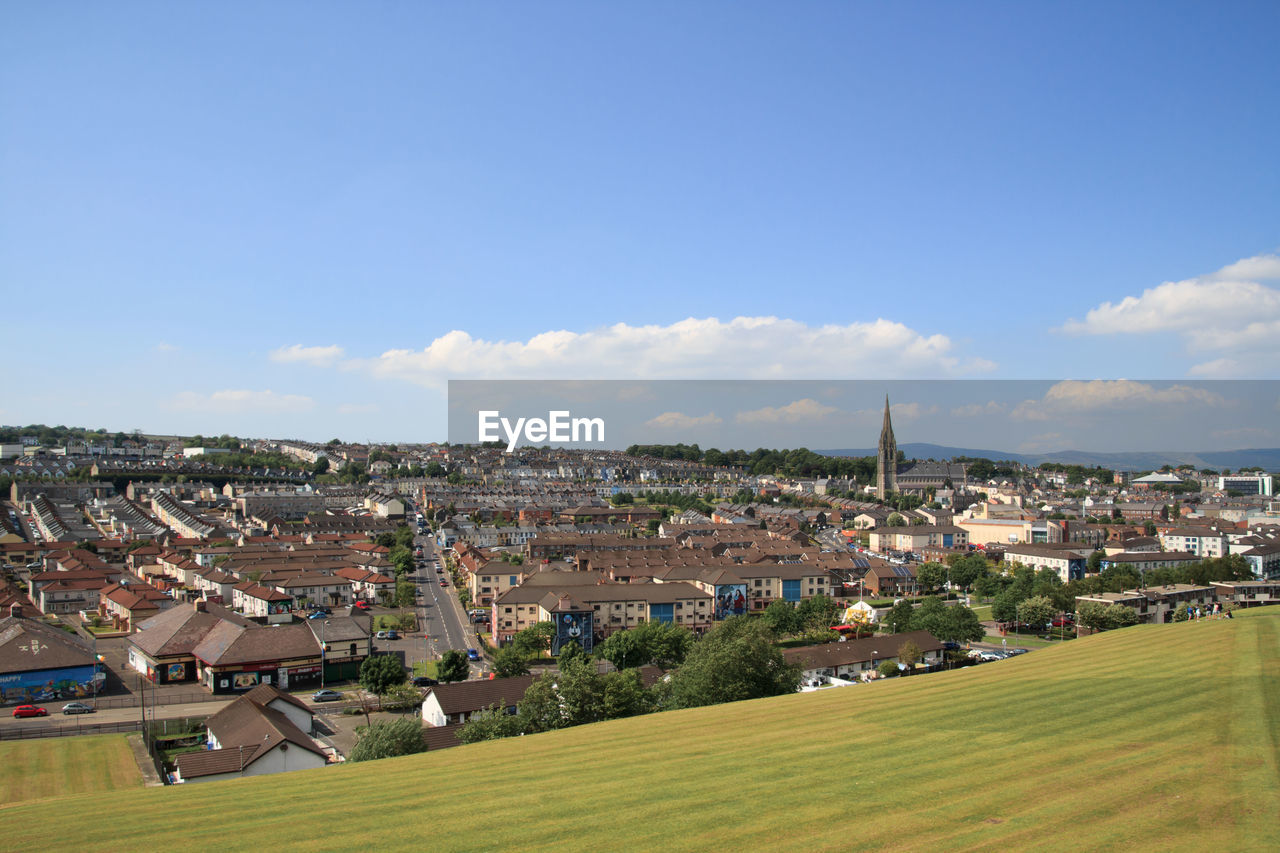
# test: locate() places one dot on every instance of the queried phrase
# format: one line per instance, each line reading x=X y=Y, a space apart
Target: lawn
x=385 y=621
x=1159 y=737
x=59 y=766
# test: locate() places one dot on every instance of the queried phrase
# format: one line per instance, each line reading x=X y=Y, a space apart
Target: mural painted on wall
x=731 y=600
x=177 y=672
x=244 y=680
x=70 y=683
x=573 y=627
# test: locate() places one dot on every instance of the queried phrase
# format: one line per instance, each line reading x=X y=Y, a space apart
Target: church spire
x=886 y=457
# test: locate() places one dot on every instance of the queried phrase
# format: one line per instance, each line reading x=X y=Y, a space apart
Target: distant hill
x=1268 y=458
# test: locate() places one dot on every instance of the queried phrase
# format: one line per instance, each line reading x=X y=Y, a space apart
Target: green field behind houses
x=1160 y=737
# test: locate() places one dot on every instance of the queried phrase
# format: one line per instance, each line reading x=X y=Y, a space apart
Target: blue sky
x=302 y=219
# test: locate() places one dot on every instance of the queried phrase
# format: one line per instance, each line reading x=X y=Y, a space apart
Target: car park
x=326 y=696
x=77 y=708
x=30 y=711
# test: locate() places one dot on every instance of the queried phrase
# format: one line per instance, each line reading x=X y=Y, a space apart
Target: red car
x=362 y=605
x=30 y=711
x=1064 y=621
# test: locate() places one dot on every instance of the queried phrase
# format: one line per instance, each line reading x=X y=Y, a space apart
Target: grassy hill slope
x=1155 y=737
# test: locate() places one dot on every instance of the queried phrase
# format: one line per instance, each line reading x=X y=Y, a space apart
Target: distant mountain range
x=1268 y=458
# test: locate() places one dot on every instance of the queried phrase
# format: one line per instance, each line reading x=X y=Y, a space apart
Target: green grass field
x=1159 y=737
x=60 y=766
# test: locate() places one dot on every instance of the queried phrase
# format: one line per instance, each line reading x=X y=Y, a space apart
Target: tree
x=909 y=653
x=782 y=618
x=535 y=639
x=1092 y=615
x=321 y=466
x=453 y=666
x=736 y=660
x=818 y=612
x=899 y=618
x=1005 y=607
x=663 y=644
x=510 y=661
x=887 y=668
x=1119 y=616
x=895 y=520
x=929 y=616
x=406 y=593
x=967 y=568
x=1037 y=610
x=960 y=625
x=490 y=724
x=625 y=695
x=379 y=673
x=931 y=575
x=1094 y=564
x=389 y=739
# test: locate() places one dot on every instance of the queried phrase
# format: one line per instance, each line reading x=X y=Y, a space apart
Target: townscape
x=260 y=606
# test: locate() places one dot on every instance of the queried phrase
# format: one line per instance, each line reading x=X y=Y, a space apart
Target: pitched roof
x=463 y=697
x=860 y=651
x=228 y=643
x=28 y=644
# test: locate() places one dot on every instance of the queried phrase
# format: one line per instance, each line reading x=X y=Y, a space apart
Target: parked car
x=361 y=605
x=443 y=582
x=424 y=681
x=326 y=696
x=1013 y=652
x=1066 y=620
x=77 y=708
x=30 y=711
x=392 y=635
x=318 y=614
x=381 y=635
x=991 y=656
x=472 y=654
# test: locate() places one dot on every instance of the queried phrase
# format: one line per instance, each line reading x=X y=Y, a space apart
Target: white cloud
x=1219 y=368
x=679 y=420
x=1228 y=310
x=165 y=347
x=1110 y=394
x=314 y=356
x=979 y=410
x=242 y=401
x=357 y=408
x=801 y=410
x=743 y=348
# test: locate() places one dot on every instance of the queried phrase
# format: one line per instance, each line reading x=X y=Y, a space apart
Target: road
x=440 y=614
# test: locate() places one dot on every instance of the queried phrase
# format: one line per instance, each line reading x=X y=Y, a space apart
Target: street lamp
x=323 y=622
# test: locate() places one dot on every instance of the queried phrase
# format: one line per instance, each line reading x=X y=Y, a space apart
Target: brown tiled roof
x=859 y=651
x=27 y=644
x=466 y=696
x=229 y=644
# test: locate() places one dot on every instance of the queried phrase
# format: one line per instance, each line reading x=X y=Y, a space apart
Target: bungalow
x=233 y=658
x=453 y=704
x=264 y=731
x=853 y=659
x=1068 y=563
